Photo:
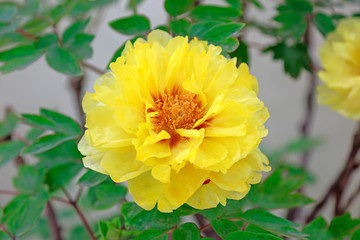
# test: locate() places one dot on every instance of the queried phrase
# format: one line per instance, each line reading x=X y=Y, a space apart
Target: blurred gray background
x=40 y=86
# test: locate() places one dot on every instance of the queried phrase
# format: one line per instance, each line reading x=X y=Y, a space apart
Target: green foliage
x=180 y=27
x=186 y=231
x=278 y=190
x=232 y=209
x=45 y=143
x=8 y=125
x=62 y=61
x=152 y=234
x=239 y=235
x=106 y=195
x=341 y=227
x=208 y=13
x=10 y=150
x=92 y=178
x=132 y=25
x=324 y=23
x=177 y=7
x=58 y=176
x=7 y=11
x=29 y=178
x=139 y=219
x=223 y=227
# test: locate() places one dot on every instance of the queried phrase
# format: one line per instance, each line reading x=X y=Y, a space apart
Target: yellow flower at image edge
x=340 y=56
x=178 y=121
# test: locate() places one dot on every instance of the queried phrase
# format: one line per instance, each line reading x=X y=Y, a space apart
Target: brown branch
x=338 y=186
x=4 y=229
x=80 y=214
x=351 y=200
x=92 y=67
x=26 y=34
x=8 y=192
x=76 y=83
x=54 y=225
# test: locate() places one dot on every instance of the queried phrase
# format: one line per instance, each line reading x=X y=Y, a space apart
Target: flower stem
x=81 y=215
x=4 y=229
x=54 y=225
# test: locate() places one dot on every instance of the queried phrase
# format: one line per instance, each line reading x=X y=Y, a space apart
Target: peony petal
x=161 y=173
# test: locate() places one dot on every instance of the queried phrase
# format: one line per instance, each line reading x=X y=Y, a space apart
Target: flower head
x=340 y=56
x=178 y=121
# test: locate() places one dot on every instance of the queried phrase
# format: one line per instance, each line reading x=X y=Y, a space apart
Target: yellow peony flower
x=178 y=121
x=340 y=56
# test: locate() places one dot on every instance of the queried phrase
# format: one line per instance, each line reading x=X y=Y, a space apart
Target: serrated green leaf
x=29 y=178
x=140 y=219
x=232 y=209
x=223 y=227
x=75 y=28
x=272 y=223
x=293 y=23
x=8 y=125
x=240 y=235
x=60 y=175
x=9 y=150
x=132 y=25
x=317 y=229
x=186 y=231
x=323 y=23
x=208 y=12
x=152 y=234
x=19 y=52
x=45 y=143
x=180 y=27
x=343 y=226
x=23 y=211
x=106 y=195
x=92 y=178
x=177 y=7
x=62 y=61
x=63 y=123
x=8 y=10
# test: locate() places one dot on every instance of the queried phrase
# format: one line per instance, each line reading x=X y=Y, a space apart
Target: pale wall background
x=40 y=86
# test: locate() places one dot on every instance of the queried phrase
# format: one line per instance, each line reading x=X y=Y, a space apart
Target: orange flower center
x=177 y=111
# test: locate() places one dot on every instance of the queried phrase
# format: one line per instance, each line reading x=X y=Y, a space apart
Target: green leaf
x=46 y=41
x=177 y=7
x=45 y=143
x=323 y=23
x=92 y=178
x=106 y=195
x=10 y=37
x=36 y=25
x=140 y=219
x=79 y=232
x=186 y=210
x=83 y=6
x=80 y=47
x=295 y=57
x=19 y=52
x=240 y=235
x=8 y=125
x=132 y=25
x=23 y=211
x=257 y=4
x=317 y=229
x=223 y=31
x=113 y=230
x=66 y=152
x=61 y=10
x=19 y=63
x=60 y=175
x=241 y=53
x=75 y=28
x=223 y=227
x=232 y=209
x=38 y=121
x=199 y=29
x=119 y=52
x=293 y=24
x=63 y=123
x=153 y=235
x=356 y=235
x=10 y=150
x=343 y=226
x=180 y=27
x=29 y=178
x=62 y=61
x=228 y=45
x=272 y=223
x=8 y=10
x=300 y=6
x=205 y=13
x=187 y=231
x=34 y=133
x=235 y=4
